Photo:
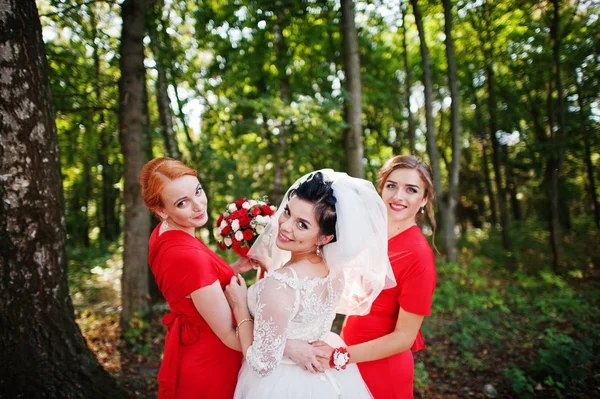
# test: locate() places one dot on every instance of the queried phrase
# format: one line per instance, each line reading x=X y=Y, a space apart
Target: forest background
x=500 y=97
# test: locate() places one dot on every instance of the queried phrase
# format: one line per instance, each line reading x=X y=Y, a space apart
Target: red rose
x=266 y=209
x=237 y=214
x=239 y=202
x=255 y=211
x=221 y=246
x=243 y=251
x=219 y=220
x=248 y=234
x=226 y=230
x=245 y=221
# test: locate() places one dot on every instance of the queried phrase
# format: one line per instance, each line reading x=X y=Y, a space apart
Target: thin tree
x=132 y=136
x=353 y=136
x=432 y=148
x=43 y=352
x=449 y=213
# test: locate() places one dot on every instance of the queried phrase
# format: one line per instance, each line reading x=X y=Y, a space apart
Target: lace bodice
x=285 y=306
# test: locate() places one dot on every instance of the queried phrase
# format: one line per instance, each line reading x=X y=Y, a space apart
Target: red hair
x=155 y=174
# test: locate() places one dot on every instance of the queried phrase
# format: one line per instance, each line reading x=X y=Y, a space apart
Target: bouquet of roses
x=238 y=227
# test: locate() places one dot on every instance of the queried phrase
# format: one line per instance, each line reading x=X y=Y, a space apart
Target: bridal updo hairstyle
x=319 y=193
x=155 y=174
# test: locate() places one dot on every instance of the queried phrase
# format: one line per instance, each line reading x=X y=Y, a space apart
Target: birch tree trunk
x=43 y=352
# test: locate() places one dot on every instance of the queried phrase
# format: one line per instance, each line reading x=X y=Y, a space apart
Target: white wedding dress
x=285 y=306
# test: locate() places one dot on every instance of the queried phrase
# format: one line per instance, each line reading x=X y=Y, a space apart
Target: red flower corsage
x=339 y=358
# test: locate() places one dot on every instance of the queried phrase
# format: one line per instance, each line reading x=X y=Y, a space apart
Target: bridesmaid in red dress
x=382 y=342
x=202 y=354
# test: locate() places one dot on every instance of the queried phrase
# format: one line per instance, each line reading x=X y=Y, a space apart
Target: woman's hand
x=243 y=264
x=326 y=350
x=236 y=294
x=305 y=355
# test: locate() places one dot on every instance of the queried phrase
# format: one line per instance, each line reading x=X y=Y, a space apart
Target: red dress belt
x=181 y=330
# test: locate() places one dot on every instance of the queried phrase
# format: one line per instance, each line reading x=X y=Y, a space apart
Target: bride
x=326 y=248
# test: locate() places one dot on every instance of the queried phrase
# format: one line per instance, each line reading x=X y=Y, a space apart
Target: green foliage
x=138 y=336
x=533 y=332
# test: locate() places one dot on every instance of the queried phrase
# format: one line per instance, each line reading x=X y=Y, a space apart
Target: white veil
x=360 y=251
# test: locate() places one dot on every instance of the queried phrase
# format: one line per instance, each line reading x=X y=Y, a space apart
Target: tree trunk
x=353 y=140
x=588 y=156
x=44 y=354
x=162 y=94
x=164 y=111
x=407 y=84
x=285 y=97
x=552 y=186
x=486 y=168
x=432 y=149
x=109 y=225
x=559 y=141
x=497 y=158
x=132 y=135
x=453 y=176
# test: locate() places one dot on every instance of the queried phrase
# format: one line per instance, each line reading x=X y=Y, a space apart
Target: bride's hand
x=304 y=355
x=326 y=349
x=236 y=293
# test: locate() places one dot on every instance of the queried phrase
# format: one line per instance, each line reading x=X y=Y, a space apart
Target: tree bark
x=353 y=136
x=109 y=226
x=134 y=144
x=285 y=97
x=552 y=186
x=407 y=84
x=162 y=94
x=432 y=149
x=44 y=354
x=449 y=215
x=588 y=156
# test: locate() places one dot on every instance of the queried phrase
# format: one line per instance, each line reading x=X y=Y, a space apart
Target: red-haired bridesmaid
x=202 y=354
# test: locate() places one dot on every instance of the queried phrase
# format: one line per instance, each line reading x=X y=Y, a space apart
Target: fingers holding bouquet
x=242 y=222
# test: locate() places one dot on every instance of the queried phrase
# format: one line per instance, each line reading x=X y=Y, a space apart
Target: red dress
x=414 y=268
x=196 y=364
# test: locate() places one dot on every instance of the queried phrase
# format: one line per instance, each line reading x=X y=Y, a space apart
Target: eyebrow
x=408 y=184
x=300 y=219
x=184 y=197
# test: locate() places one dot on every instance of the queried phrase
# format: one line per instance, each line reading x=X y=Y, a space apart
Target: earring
x=164 y=224
x=318 y=250
x=422 y=210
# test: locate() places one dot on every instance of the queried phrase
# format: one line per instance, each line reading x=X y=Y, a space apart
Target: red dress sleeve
x=417 y=286
x=186 y=269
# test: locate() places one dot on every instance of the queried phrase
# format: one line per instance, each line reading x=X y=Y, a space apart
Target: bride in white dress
x=327 y=251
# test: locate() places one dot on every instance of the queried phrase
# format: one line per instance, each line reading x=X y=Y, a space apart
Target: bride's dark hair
x=319 y=192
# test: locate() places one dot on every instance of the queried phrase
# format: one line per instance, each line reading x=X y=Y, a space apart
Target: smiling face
x=298 y=228
x=403 y=194
x=184 y=204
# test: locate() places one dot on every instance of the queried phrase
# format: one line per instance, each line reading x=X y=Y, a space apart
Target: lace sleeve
x=277 y=302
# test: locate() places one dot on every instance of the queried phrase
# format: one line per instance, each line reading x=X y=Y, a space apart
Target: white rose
x=246 y=205
x=252 y=202
x=228 y=241
x=260 y=219
x=232 y=208
x=223 y=224
x=260 y=228
x=235 y=225
x=239 y=235
x=218 y=232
